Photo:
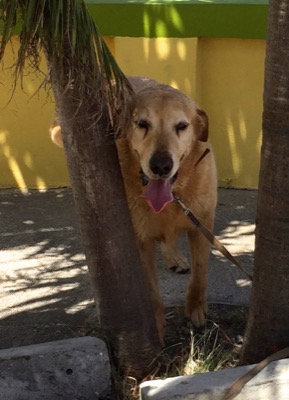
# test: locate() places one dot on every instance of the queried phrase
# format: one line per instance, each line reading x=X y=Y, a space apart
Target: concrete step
x=73 y=369
x=270 y=384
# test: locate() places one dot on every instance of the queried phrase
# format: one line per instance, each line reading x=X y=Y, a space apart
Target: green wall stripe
x=228 y=19
x=180 y=18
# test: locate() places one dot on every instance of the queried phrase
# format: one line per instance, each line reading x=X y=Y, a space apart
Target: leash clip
x=185 y=209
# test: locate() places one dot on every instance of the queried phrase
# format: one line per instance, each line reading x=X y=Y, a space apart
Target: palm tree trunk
x=268 y=324
x=123 y=305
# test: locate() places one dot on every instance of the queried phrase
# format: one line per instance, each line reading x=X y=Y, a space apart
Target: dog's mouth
x=158 y=192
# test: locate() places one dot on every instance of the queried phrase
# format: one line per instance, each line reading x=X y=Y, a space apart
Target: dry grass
x=189 y=351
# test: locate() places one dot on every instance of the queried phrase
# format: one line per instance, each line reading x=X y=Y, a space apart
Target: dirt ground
x=44 y=285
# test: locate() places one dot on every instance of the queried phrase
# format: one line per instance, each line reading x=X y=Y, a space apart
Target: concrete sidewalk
x=44 y=285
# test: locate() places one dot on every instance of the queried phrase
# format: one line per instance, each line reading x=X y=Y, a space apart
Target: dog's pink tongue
x=158 y=194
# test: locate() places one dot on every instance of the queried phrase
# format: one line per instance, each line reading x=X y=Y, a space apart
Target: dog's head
x=165 y=126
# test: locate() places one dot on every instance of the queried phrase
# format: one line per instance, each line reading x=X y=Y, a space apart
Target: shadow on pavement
x=44 y=285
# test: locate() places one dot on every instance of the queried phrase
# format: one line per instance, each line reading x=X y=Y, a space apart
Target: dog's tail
x=55 y=134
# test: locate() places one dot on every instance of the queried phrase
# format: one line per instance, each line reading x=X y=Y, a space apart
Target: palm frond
x=66 y=32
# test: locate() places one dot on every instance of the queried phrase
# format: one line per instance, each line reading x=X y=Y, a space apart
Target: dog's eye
x=181 y=126
x=142 y=124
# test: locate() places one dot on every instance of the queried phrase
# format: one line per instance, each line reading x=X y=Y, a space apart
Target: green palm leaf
x=65 y=30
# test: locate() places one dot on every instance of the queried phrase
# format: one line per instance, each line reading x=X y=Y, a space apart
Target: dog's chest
x=158 y=226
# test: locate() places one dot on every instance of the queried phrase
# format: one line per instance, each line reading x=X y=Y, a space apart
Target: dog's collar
x=205 y=152
x=145 y=180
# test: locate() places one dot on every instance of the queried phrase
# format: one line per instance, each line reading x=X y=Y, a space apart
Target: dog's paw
x=173 y=259
x=180 y=265
x=177 y=263
x=197 y=312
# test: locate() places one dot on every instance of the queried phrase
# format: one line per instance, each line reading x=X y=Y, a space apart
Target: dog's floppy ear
x=202 y=125
x=55 y=134
x=126 y=121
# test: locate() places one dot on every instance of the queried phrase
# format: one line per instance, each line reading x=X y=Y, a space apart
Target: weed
x=210 y=351
x=191 y=351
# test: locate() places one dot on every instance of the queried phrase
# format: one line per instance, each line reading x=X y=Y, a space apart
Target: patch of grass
x=189 y=351
x=210 y=351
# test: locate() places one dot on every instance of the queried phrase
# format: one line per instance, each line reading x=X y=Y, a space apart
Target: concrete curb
x=65 y=369
x=270 y=384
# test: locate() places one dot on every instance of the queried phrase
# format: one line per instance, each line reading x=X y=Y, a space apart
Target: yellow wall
x=225 y=76
x=231 y=75
x=28 y=159
x=171 y=61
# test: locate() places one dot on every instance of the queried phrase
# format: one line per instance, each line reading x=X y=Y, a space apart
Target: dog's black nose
x=161 y=163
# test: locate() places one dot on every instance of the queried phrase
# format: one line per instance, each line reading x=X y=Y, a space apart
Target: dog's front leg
x=148 y=260
x=196 y=302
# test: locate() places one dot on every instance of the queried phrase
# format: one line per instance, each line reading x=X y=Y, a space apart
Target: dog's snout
x=161 y=163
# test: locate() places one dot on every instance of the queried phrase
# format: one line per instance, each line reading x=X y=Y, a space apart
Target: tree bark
x=268 y=325
x=123 y=304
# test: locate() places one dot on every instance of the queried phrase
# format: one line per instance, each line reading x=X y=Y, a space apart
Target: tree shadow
x=46 y=293
x=235 y=228
x=45 y=287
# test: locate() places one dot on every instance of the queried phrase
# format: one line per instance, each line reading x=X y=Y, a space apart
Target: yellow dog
x=161 y=155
